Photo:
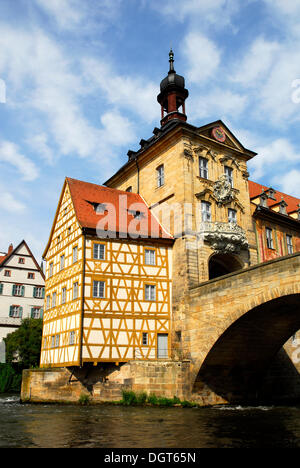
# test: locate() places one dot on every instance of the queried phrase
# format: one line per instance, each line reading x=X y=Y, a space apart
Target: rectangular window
x=98 y=289
x=63 y=295
x=269 y=236
x=99 y=252
x=62 y=262
x=75 y=254
x=75 y=290
x=16 y=311
x=231 y=215
x=51 y=270
x=36 y=312
x=150 y=257
x=30 y=276
x=56 y=341
x=206 y=211
x=150 y=292
x=72 y=338
x=38 y=292
x=203 y=168
x=229 y=172
x=54 y=299
x=160 y=175
x=18 y=290
x=289 y=242
x=7 y=273
x=145 y=339
x=48 y=302
x=21 y=260
x=52 y=341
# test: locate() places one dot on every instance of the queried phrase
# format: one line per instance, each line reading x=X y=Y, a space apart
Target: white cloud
x=134 y=94
x=39 y=143
x=273 y=157
x=202 y=56
x=256 y=63
x=217 y=104
x=10 y=154
x=289 y=182
x=10 y=204
x=65 y=12
x=218 y=12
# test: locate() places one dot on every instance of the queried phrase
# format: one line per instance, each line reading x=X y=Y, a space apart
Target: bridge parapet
x=215 y=305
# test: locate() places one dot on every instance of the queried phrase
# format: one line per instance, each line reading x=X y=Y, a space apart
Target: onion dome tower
x=172 y=95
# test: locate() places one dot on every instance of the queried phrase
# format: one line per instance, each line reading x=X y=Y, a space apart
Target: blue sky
x=79 y=81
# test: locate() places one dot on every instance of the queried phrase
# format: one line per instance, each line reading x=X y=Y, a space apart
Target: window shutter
x=43 y=295
x=34 y=291
x=1 y=288
x=23 y=291
x=20 y=312
x=32 y=312
x=11 y=311
x=14 y=290
x=41 y=313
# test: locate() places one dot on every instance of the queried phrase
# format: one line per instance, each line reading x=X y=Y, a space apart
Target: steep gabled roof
x=3 y=260
x=125 y=205
x=121 y=213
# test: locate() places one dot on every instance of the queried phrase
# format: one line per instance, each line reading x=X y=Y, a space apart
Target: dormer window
x=263 y=200
x=271 y=194
x=129 y=189
x=282 y=207
x=100 y=208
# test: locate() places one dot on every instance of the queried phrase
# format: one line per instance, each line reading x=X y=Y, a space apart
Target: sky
x=79 y=81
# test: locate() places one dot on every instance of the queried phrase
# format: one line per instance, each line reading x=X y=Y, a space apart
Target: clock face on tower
x=219 y=134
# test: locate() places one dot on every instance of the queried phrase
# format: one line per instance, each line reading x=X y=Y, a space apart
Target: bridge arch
x=236 y=364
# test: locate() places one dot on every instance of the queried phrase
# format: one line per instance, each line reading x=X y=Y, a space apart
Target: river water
x=107 y=426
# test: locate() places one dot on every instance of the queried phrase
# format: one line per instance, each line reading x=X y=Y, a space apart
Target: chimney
x=10 y=249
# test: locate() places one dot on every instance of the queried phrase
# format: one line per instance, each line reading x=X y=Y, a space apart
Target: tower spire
x=172 y=95
x=171 y=60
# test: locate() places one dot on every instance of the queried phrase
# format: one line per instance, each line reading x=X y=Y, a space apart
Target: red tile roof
x=256 y=189
x=120 y=208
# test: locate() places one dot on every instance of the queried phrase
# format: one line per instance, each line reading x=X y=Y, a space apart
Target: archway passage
x=222 y=264
x=236 y=365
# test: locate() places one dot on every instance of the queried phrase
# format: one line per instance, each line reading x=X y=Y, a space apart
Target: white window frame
x=99 y=251
x=232 y=215
x=203 y=167
x=53 y=299
x=205 y=211
x=75 y=290
x=160 y=175
x=98 y=289
x=150 y=292
x=289 y=243
x=64 y=295
x=269 y=237
x=75 y=254
x=229 y=172
x=150 y=257
x=72 y=338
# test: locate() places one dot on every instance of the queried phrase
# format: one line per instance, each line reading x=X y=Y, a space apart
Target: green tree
x=24 y=345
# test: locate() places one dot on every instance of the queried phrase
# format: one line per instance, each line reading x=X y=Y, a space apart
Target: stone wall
x=106 y=383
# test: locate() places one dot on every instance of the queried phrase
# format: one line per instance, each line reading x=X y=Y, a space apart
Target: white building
x=22 y=288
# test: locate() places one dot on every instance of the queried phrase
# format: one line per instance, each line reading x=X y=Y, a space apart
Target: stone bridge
x=236 y=324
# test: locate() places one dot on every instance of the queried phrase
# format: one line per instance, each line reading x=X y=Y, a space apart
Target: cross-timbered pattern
x=97 y=302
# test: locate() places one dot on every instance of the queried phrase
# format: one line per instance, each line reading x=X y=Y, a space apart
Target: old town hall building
x=123 y=257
